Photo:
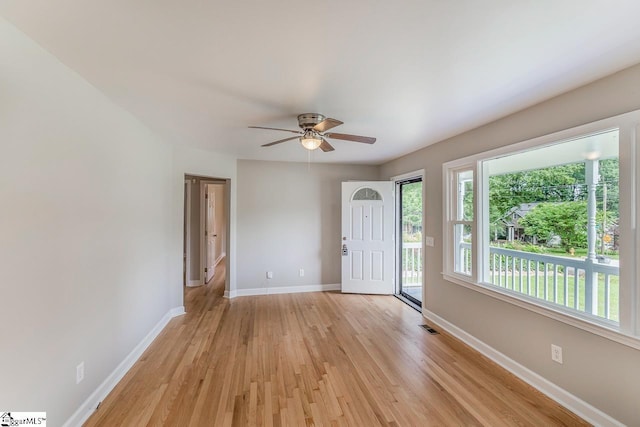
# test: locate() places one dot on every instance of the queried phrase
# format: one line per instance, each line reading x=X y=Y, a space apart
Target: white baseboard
x=576 y=405
x=194 y=283
x=175 y=312
x=88 y=407
x=282 y=290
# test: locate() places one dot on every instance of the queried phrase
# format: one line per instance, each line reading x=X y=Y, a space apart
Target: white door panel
x=367 y=230
x=210 y=228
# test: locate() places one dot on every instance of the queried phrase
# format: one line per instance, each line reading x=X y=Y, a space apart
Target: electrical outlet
x=79 y=373
x=429 y=241
x=301 y=272
x=556 y=353
x=269 y=274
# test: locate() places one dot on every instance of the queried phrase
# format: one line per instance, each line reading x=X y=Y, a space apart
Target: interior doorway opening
x=409 y=229
x=206 y=228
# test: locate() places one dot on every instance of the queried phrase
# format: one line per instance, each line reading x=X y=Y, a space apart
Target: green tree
x=562 y=183
x=566 y=219
x=412 y=207
x=553 y=184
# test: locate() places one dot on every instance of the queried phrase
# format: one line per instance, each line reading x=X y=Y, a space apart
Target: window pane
x=367 y=194
x=462 y=248
x=553 y=224
x=464 y=201
x=411 y=230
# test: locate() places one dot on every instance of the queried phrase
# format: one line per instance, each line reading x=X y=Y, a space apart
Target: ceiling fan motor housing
x=309 y=120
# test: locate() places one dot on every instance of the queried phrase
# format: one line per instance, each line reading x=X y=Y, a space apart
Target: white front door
x=367 y=237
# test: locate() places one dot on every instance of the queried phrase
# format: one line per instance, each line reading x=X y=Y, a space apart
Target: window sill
x=602 y=329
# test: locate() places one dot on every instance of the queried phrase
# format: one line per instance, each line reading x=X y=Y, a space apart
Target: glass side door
x=410 y=250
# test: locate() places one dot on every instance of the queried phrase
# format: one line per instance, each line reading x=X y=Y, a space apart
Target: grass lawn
x=579 y=253
x=541 y=249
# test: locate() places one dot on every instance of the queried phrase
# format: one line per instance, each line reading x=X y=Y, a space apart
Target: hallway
x=315 y=359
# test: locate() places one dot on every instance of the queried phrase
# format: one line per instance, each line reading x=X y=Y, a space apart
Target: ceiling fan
x=314 y=133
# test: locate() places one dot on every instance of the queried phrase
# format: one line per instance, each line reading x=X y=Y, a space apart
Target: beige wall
x=601 y=372
x=83 y=252
x=289 y=218
x=109 y=263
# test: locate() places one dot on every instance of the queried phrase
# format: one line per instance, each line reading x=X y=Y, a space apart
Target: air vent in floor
x=429 y=329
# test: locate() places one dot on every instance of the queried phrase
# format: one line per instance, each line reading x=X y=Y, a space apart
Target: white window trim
x=450 y=219
x=409 y=175
x=628 y=331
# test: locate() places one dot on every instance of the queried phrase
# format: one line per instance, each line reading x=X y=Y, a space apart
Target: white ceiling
x=411 y=73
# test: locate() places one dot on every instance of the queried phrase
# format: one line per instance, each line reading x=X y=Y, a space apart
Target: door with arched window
x=367 y=237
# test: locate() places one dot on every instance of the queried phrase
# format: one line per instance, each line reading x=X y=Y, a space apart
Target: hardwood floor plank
x=316 y=359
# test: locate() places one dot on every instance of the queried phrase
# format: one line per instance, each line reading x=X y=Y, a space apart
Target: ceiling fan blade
x=354 y=138
x=326 y=124
x=279 y=141
x=325 y=146
x=284 y=130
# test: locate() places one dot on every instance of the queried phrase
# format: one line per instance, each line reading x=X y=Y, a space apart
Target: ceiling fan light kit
x=314 y=131
x=310 y=141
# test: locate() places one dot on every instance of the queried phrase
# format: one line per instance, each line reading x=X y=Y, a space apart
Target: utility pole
x=604 y=215
x=591 y=277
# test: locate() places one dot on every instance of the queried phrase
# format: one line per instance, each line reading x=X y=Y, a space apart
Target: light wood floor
x=315 y=359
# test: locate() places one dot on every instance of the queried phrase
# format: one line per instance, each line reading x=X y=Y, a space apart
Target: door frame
x=186 y=245
x=397 y=180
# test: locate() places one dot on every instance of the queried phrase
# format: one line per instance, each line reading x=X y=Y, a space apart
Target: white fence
x=411 y=264
x=581 y=284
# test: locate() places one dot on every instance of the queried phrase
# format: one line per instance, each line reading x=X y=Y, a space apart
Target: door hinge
x=206 y=195
x=205 y=269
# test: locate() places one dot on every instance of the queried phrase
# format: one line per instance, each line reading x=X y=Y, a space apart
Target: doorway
x=206 y=227
x=409 y=228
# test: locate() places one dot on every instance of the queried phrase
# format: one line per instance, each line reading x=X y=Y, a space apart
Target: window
x=460 y=225
x=367 y=194
x=552 y=229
